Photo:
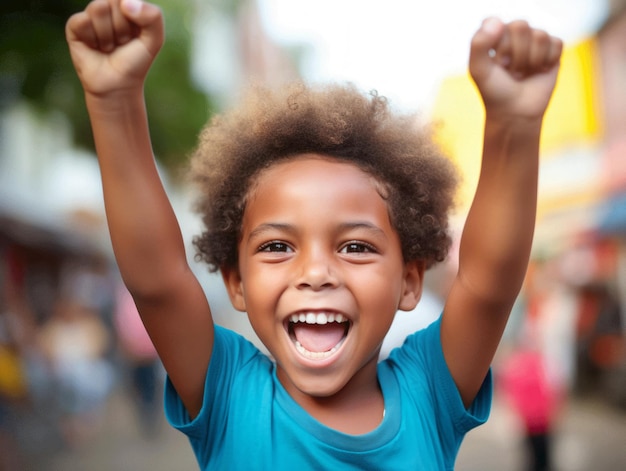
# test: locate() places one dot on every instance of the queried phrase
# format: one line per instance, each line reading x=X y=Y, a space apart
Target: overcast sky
x=402 y=48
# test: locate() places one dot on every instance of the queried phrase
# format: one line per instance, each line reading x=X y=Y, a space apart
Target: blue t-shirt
x=249 y=422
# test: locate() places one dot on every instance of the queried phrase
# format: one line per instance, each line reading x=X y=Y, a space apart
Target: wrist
x=513 y=127
x=513 y=139
x=115 y=103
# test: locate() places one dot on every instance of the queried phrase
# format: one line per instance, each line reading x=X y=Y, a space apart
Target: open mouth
x=317 y=335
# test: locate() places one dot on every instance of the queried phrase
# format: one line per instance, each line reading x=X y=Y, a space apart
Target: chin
x=313 y=386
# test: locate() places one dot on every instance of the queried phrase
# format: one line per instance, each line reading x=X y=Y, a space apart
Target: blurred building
x=232 y=50
x=48 y=211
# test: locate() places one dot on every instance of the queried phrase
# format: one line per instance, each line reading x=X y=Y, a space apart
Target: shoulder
x=421 y=346
x=233 y=356
x=422 y=372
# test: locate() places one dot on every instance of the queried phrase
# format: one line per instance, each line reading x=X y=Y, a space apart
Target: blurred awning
x=30 y=224
x=612 y=217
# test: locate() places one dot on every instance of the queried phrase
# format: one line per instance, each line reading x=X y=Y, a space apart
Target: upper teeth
x=313 y=318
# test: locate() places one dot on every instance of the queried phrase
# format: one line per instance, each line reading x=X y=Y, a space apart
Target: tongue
x=319 y=338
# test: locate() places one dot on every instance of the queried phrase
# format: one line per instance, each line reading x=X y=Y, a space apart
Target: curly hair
x=337 y=121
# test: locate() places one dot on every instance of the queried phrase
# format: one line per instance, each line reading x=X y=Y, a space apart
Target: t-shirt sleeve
x=423 y=365
x=230 y=352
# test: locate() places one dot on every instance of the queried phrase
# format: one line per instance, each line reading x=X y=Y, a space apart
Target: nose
x=316 y=270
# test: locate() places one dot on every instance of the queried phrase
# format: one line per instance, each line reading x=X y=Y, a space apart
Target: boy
x=323 y=210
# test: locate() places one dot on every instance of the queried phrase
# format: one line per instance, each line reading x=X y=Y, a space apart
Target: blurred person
x=535 y=400
x=75 y=341
x=535 y=397
x=600 y=334
x=330 y=209
x=141 y=361
x=13 y=387
x=91 y=283
x=535 y=370
x=13 y=340
x=24 y=378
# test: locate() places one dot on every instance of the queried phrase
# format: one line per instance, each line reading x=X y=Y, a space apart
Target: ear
x=234 y=287
x=413 y=283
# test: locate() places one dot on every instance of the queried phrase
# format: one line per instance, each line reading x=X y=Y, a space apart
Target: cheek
x=378 y=290
x=261 y=286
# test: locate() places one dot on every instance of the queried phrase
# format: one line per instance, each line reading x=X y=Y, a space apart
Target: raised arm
x=113 y=44
x=515 y=69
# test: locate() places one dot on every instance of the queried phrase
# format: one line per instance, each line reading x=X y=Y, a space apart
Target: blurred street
x=120 y=445
x=591 y=436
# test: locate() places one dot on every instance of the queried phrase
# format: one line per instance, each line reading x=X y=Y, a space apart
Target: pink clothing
x=528 y=389
x=131 y=332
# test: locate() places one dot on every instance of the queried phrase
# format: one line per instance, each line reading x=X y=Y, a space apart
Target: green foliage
x=35 y=66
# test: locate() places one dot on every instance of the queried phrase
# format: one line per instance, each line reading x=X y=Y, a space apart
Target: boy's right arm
x=113 y=44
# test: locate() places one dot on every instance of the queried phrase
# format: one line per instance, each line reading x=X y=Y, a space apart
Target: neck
x=356 y=409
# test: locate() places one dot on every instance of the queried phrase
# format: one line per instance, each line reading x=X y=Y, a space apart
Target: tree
x=35 y=66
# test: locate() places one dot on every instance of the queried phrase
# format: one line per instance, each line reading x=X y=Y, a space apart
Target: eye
x=357 y=247
x=274 y=246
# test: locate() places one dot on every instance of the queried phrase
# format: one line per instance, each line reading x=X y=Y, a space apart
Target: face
x=321 y=273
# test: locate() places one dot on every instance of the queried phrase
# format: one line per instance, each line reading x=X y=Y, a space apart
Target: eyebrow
x=271 y=226
x=368 y=226
x=291 y=229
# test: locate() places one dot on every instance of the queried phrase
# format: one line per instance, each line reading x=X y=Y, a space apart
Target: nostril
x=316 y=269
x=316 y=285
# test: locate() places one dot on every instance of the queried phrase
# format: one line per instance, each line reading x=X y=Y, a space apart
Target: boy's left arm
x=514 y=67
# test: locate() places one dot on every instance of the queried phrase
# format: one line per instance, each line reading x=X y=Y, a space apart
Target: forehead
x=312 y=181
x=305 y=168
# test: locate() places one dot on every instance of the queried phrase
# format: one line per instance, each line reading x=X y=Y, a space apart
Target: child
x=323 y=210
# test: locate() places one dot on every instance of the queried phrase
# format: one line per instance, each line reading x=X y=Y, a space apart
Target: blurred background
x=78 y=392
